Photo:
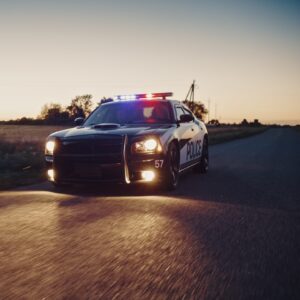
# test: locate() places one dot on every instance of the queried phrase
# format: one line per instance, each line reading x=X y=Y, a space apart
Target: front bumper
x=95 y=169
x=85 y=173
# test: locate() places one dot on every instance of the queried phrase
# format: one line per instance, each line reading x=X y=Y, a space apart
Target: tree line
x=54 y=113
x=243 y=123
x=57 y=114
x=81 y=106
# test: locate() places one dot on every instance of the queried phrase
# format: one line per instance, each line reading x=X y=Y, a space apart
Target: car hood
x=130 y=130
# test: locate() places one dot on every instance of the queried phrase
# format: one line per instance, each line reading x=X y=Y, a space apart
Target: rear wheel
x=172 y=176
x=202 y=166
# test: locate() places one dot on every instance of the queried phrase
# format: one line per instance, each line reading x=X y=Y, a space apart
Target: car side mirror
x=79 y=121
x=186 y=118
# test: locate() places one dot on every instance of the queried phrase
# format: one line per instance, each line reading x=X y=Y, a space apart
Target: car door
x=194 y=146
x=185 y=134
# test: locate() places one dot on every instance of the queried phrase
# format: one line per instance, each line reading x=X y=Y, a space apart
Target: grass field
x=26 y=133
x=22 y=154
x=224 y=134
x=22 y=150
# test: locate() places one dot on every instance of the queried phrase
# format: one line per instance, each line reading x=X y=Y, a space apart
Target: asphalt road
x=231 y=234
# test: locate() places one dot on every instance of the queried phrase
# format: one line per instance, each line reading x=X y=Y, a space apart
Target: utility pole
x=216 y=111
x=190 y=97
x=191 y=93
x=208 y=105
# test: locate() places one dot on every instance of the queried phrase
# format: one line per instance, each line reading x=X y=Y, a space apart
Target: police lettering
x=193 y=150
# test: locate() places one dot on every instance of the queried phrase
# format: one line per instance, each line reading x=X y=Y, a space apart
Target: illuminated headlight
x=148 y=175
x=150 y=145
x=51 y=174
x=50 y=146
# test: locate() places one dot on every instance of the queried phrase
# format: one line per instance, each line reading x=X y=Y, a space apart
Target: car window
x=179 y=112
x=136 y=112
x=187 y=112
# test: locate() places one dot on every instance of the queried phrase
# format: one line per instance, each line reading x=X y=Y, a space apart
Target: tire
x=172 y=173
x=202 y=166
x=58 y=185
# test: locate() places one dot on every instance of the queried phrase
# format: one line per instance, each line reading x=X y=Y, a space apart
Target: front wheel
x=59 y=185
x=172 y=173
x=202 y=166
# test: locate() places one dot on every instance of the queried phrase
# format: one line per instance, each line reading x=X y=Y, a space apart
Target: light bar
x=149 y=96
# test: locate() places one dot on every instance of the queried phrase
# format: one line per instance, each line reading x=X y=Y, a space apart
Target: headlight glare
x=150 y=145
x=50 y=146
x=51 y=174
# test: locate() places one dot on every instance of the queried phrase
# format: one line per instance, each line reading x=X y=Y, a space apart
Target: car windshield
x=138 y=112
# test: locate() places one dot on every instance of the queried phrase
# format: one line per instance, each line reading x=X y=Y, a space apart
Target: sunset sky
x=244 y=55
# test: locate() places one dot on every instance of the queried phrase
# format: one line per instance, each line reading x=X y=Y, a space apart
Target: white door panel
x=192 y=150
x=191 y=139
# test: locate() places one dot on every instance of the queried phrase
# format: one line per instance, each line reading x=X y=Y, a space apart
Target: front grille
x=94 y=157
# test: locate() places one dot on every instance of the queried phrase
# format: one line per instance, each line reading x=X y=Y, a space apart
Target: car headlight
x=150 y=145
x=50 y=146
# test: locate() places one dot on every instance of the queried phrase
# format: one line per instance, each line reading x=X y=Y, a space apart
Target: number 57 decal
x=158 y=163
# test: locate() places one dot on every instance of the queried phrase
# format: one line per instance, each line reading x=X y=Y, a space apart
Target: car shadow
x=108 y=190
x=220 y=185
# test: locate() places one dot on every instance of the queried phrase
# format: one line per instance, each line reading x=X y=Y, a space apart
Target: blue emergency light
x=150 y=96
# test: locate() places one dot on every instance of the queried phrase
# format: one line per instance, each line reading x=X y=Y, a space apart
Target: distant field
x=22 y=150
x=224 y=134
x=38 y=134
x=26 y=133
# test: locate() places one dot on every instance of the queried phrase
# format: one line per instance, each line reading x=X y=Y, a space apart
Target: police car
x=143 y=138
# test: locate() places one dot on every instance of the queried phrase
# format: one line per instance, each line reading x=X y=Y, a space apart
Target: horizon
x=245 y=57
x=228 y=121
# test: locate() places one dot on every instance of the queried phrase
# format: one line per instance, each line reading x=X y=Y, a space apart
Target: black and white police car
x=133 y=138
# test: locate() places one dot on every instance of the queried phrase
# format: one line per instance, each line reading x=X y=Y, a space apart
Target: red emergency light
x=149 y=96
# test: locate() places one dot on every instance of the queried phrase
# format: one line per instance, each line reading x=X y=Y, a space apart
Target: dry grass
x=224 y=134
x=22 y=154
x=20 y=163
x=38 y=134
x=26 y=133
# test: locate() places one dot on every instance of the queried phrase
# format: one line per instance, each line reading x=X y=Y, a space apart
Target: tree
x=244 y=123
x=256 y=123
x=54 y=113
x=197 y=107
x=51 y=111
x=80 y=106
x=214 y=122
